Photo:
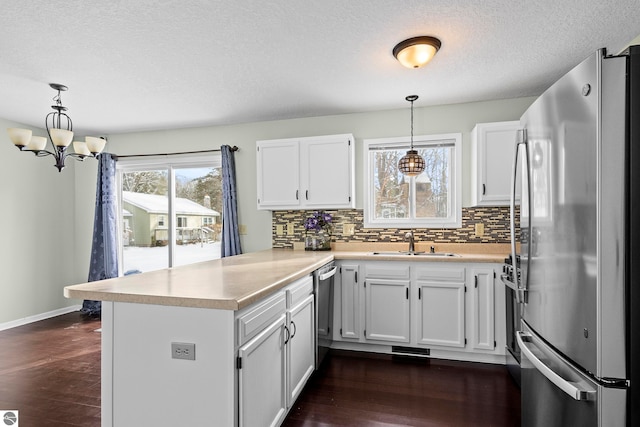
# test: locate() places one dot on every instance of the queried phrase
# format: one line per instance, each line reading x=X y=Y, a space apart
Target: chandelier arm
x=42 y=153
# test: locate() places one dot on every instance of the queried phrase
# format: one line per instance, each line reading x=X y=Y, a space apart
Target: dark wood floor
x=352 y=390
x=50 y=372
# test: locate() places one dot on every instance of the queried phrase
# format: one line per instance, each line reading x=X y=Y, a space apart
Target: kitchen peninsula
x=221 y=306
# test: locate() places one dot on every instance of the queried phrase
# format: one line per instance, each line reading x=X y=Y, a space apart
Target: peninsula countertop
x=233 y=283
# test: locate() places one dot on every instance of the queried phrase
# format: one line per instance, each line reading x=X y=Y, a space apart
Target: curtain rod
x=117 y=156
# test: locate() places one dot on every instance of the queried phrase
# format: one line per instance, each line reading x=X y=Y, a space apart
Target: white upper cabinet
x=306 y=173
x=493 y=148
x=278 y=174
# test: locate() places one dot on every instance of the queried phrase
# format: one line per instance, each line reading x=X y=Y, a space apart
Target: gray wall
x=38 y=238
x=48 y=217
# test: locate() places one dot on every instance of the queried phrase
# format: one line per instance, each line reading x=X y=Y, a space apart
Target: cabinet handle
x=356 y=277
x=307 y=194
x=296 y=194
x=484 y=189
x=419 y=293
x=294 y=329
x=407 y=289
x=288 y=335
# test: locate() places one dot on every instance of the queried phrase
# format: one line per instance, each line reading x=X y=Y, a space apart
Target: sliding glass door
x=170 y=211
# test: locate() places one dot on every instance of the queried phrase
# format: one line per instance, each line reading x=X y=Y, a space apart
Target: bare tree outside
x=431 y=188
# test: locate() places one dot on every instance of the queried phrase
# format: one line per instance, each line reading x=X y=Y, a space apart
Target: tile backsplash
x=494 y=219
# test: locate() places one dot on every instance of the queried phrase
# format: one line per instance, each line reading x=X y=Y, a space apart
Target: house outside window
x=166 y=201
x=432 y=199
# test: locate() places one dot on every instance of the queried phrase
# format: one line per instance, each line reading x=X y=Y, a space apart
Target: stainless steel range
x=513 y=313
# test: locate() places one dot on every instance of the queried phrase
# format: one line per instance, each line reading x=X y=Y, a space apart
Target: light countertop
x=235 y=282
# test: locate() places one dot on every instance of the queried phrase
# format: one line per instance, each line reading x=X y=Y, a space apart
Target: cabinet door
x=441 y=313
x=301 y=347
x=483 y=309
x=277 y=164
x=327 y=172
x=262 y=378
x=493 y=149
x=386 y=310
x=350 y=309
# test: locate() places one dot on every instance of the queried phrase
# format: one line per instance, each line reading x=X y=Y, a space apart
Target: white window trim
x=456 y=185
x=170 y=162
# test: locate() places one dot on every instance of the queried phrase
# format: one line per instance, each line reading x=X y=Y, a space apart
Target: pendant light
x=411 y=164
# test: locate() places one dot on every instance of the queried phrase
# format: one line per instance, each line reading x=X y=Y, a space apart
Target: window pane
x=144 y=211
x=433 y=185
x=391 y=188
x=198 y=204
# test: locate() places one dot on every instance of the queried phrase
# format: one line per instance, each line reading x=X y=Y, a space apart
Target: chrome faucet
x=411 y=238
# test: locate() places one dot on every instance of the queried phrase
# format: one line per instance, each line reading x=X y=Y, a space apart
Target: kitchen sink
x=425 y=254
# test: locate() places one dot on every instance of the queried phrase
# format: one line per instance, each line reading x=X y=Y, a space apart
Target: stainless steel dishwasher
x=323 y=289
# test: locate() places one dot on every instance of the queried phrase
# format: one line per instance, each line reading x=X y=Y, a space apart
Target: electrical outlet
x=181 y=350
x=279 y=230
x=348 y=229
x=479 y=229
x=290 y=230
x=242 y=229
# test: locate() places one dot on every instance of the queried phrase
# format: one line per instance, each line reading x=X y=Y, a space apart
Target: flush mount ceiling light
x=60 y=131
x=417 y=51
x=412 y=163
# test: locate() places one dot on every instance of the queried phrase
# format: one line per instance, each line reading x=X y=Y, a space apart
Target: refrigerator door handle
x=519 y=287
x=525 y=341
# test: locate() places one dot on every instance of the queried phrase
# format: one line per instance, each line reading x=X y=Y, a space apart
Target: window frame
x=168 y=162
x=403 y=143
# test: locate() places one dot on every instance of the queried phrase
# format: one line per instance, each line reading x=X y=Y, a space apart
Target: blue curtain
x=230 y=242
x=104 y=249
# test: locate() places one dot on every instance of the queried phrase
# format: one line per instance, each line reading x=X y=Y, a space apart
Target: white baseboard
x=37 y=317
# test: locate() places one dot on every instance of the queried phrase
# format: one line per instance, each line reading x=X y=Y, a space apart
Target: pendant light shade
x=412 y=163
x=417 y=51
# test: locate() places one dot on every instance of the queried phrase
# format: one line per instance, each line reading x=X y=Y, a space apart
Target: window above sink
x=432 y=199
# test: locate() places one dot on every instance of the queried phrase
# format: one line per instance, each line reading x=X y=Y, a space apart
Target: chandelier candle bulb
x=95 y=145
x=61 y=137
x=80 y=147
x=19 y=137
x=37 y=143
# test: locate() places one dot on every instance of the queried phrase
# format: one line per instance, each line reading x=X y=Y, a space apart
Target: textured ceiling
x=143 y=64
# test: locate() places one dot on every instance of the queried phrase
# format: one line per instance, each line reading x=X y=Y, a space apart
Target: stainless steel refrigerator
x=577 y=287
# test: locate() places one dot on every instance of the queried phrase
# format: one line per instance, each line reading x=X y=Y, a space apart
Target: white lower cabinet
x=300 y=347
x=350 y=297
x=386 y=305
x=445 y=307
x=261 y=378
x=386 y=310
x=276 y=354
x=441 y=305
x=483 y=320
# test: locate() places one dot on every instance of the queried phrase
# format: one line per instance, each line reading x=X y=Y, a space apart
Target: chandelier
x=412 y=163
x=60 y=131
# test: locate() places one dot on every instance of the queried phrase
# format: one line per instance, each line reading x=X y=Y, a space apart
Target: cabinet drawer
x=255 y=319
x=387 y=271
x=441 y=274
x=299 y=290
